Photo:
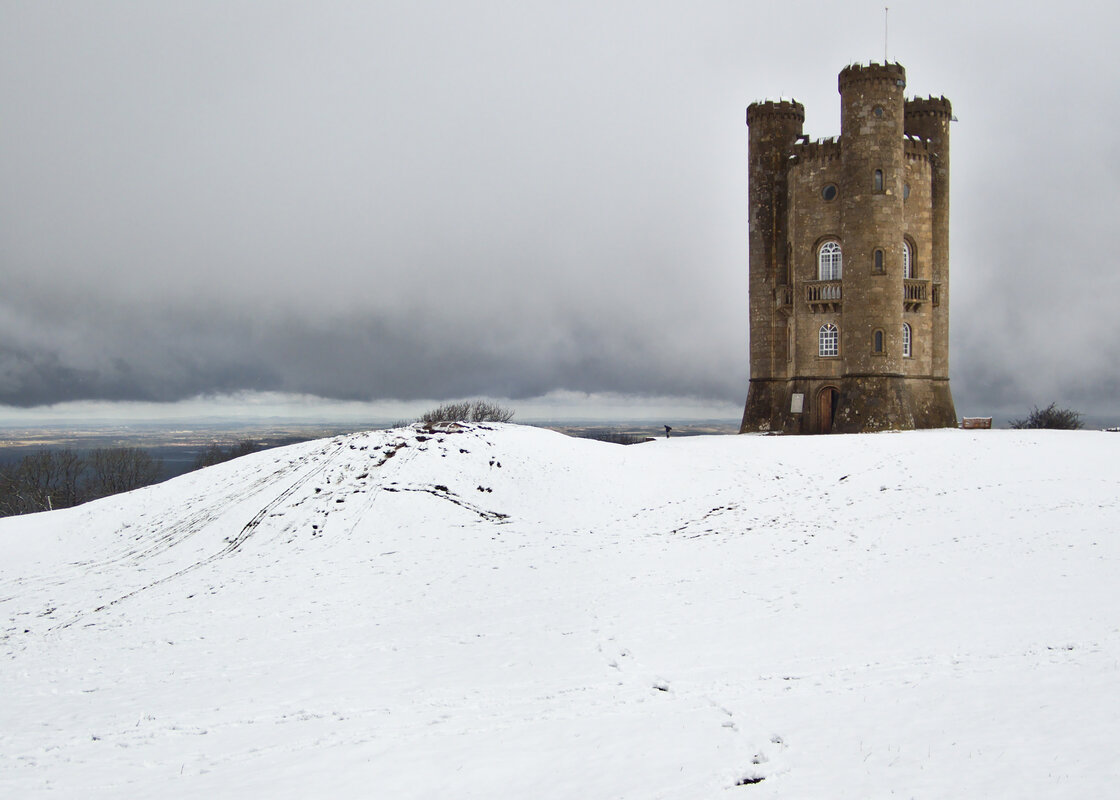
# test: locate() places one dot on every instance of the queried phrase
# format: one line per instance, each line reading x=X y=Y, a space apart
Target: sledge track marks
x=251 y=526
x=398 y=451
x=196 y=523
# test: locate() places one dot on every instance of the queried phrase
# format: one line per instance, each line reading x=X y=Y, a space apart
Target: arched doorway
x=827 y=401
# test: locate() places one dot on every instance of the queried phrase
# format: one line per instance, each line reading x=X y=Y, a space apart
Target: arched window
x=877 y=342
x=907 y=269
x=878 y=180
x=906 y=340
x=829 y=262
x=877 y=261
x=829 y=340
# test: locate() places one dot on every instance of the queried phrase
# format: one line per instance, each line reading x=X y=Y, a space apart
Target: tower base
x=852 y=404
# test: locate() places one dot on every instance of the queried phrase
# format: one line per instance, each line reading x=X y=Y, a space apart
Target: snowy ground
x=507 y=612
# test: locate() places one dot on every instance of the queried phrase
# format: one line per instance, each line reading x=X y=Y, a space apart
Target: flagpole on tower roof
x=886 y=20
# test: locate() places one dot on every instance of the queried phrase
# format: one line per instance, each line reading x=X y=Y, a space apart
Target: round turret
x=871 y=214
x=893 y=74
x=929 y=118
x=872 y=106
x=919 y=107
x=774 y=128
x=787 y=110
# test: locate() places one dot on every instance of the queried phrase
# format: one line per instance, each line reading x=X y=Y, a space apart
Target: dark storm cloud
x=345 y=356
x=443 y=199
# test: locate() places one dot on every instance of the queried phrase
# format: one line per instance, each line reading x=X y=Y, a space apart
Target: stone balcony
x=823 y=296
x=914 y=294
x=783 y=299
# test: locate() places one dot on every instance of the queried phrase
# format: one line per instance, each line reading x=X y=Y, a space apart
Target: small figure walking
x=667 y=429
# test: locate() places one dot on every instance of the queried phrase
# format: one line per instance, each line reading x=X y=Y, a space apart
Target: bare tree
x=70 y=470
x=120 y=469
x=14 y=497
x=216 y=454
x=213 y=454
x=50 y=479
x=43 y=480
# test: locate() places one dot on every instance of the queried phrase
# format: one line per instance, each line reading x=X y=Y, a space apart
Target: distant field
x=177 y=446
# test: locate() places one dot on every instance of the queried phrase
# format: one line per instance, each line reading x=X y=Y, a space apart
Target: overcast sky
x=402 y=200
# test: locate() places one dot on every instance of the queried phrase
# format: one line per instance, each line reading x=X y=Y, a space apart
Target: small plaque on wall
x=797 y=404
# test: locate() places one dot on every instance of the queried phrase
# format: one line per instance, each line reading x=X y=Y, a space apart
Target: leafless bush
x=467 y=411
x=1050 y=417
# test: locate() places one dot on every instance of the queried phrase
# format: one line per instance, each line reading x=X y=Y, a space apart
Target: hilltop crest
x=473 y=608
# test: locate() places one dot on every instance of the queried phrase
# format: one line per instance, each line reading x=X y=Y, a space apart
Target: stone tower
x=849 y=263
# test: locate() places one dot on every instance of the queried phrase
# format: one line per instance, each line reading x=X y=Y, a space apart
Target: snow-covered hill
x=500 y=611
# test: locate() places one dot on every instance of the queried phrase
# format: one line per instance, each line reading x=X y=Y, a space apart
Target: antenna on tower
x=886 y=20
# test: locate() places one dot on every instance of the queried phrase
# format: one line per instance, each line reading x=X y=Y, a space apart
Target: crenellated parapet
x=929 y=107
x=785 y=110
x=819 y=150
x=916 y=148
x=854 y=74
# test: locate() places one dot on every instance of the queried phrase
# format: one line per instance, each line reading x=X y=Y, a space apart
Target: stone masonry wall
x=803 y=194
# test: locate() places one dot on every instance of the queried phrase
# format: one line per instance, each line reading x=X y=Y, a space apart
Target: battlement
x=775 y=109
x=916 y=148
x=929 y=107
x=873 y=72
x=820 y=150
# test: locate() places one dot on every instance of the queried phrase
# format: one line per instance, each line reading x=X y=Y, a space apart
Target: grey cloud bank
x=444 y=199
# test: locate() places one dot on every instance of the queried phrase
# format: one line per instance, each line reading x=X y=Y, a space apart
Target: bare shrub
x=467 y=411
x=1064 y=419
x=485 y=411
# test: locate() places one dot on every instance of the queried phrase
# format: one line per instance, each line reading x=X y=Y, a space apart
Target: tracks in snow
x=394 y=451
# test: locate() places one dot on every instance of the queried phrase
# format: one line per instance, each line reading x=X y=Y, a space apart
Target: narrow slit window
x=878 y=180
x=877 y=342
x=878 y=261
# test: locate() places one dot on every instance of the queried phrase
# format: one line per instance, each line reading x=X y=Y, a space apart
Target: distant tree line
x=62 y=478
x=616 y=437
x=216 y=454
x=49 y=479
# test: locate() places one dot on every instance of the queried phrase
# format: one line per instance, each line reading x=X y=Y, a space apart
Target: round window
x=878 y=111
x=829 y=192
